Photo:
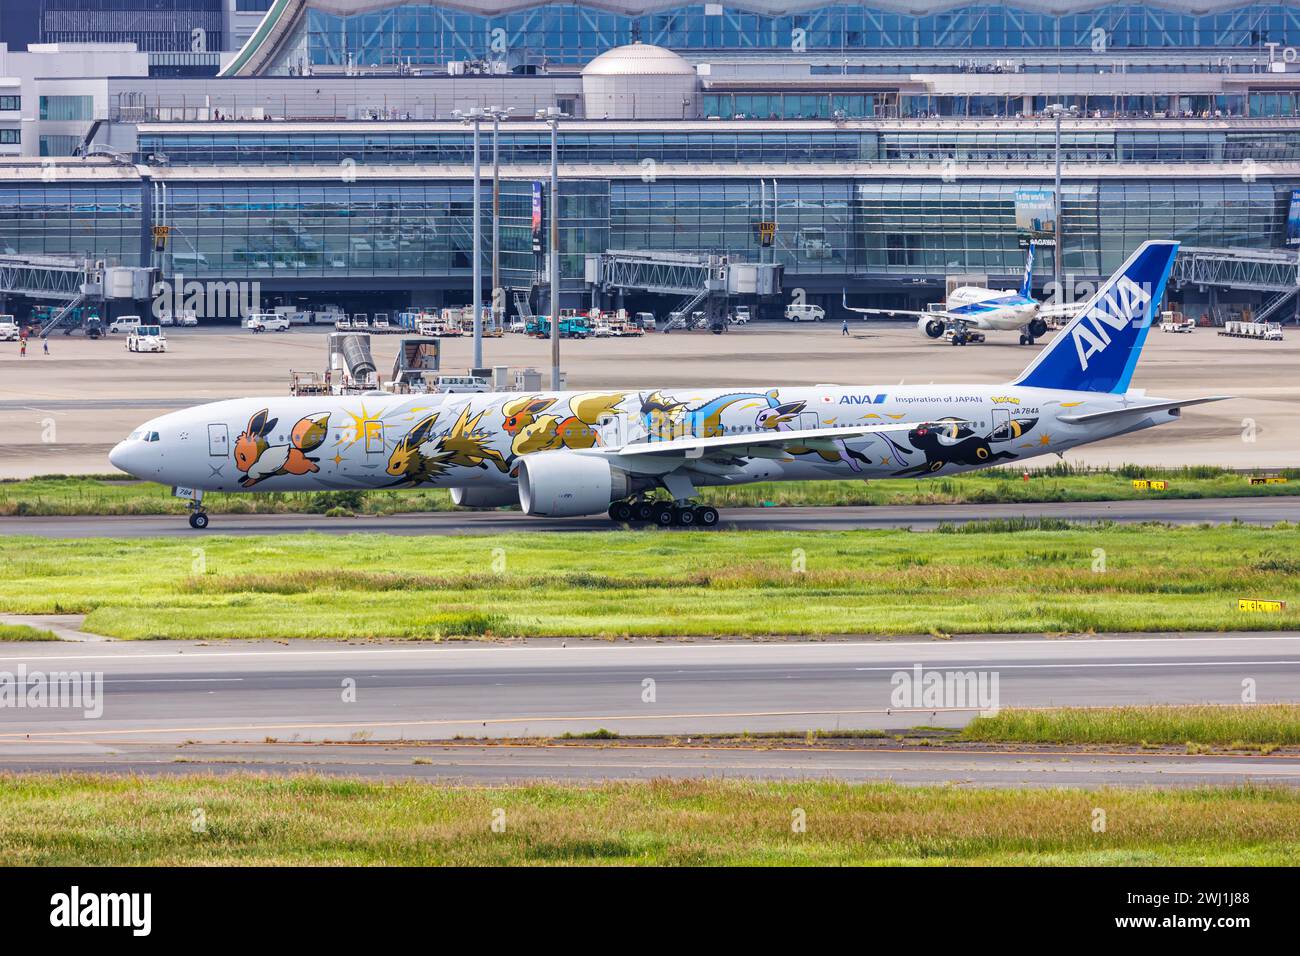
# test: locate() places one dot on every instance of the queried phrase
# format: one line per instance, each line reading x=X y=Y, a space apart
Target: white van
x=125 y=323
x=146 y=338
x=796 y=312
x=8 y=329
x=451 y=384
x=187 y=318
x=267 y=322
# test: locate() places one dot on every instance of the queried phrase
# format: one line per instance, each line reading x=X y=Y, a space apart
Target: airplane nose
x=125 y=456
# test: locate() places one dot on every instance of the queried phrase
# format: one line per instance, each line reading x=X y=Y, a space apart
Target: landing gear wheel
x=706 y=516
x=643 y=511
x=1025 y=340
x=663 y=515
x=620 y=512
x=684 y=517
x=198 y=520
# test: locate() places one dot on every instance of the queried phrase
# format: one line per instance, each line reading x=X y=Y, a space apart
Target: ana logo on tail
x=1120 y=307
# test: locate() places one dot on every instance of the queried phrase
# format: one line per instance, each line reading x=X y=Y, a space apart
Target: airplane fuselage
x=477 y=441
x=992 y=309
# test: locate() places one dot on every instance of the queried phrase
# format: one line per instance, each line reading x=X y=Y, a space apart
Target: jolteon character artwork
x=534 y=431
x=259 y=460
x=421 y=456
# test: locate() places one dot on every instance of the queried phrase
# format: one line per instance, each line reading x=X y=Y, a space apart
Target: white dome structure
x=638 y=59
x=638 y=81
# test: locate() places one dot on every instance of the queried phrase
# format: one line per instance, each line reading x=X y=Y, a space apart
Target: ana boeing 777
x=559 y=454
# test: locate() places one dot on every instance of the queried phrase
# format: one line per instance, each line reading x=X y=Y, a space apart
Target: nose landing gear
x=198 y=517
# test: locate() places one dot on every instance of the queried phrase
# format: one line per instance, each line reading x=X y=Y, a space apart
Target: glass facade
x=830 y=227
x=331 y=229
x=923 y=144
x=574 y=33
x=153 y=26
x=67 y=107
x=90 y=221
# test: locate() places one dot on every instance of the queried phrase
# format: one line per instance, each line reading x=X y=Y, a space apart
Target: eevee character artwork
x=259 y=459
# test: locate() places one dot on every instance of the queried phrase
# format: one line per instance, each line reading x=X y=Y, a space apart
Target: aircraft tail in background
x=1027 y=284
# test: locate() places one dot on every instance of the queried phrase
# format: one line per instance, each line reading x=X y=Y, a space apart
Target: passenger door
x=610 y=431
x=218 y=440
x=1001 y=430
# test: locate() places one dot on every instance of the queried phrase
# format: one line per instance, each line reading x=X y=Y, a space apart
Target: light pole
x=497 y=115
x=474 y=118
x=1056 y=110
x=552 y=116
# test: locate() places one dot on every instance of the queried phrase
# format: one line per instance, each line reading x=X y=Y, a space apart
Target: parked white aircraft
x=970 y=311
x=581 y=453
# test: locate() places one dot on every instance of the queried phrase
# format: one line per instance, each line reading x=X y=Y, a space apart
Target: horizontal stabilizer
x=1137 y=409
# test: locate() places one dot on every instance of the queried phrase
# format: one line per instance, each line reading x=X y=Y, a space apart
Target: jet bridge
x=44 y=277
x=701 y=279
x=1252 y=270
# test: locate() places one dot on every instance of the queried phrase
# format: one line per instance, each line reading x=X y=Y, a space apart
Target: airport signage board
x=1035 y=217
x=1267 y=480
x=1293 y=220
x=1256 y=606
x=537 y=216
x=1147 y=484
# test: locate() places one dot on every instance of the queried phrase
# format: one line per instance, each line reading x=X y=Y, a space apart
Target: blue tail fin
x=1026 y=286
x=1098 y=350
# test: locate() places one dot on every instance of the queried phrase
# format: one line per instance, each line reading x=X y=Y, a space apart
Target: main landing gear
x=664 y=514
x=1034 y=330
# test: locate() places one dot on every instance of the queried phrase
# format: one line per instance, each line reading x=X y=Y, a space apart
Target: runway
x=1262 y=510
x=185 y=706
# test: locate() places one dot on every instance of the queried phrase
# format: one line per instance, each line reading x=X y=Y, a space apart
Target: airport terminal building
x=890 y=146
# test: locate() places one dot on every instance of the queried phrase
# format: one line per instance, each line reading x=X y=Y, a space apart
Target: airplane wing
x=908 y=312
x=942 y=314
x=1063 y=311
x=767 y=444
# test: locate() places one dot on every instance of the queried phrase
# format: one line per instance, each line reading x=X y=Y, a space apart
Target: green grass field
x=22 y=632
x=612 y=584
x=101 y=496
x=1252 y=726
x=255 y=820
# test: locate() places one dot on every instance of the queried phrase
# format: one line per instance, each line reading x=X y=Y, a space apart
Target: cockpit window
x=138 y=433
x=153 y=436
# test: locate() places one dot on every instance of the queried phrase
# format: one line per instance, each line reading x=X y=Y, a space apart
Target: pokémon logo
x=1004 y=400
x=1125 y=304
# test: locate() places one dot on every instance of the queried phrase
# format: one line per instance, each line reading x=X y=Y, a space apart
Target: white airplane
x=560 y=454
x=970 y=311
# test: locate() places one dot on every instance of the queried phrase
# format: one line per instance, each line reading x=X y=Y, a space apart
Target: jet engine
x=562 y=484
x=931 y=327
x=1037 y=328
x=490 y=497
